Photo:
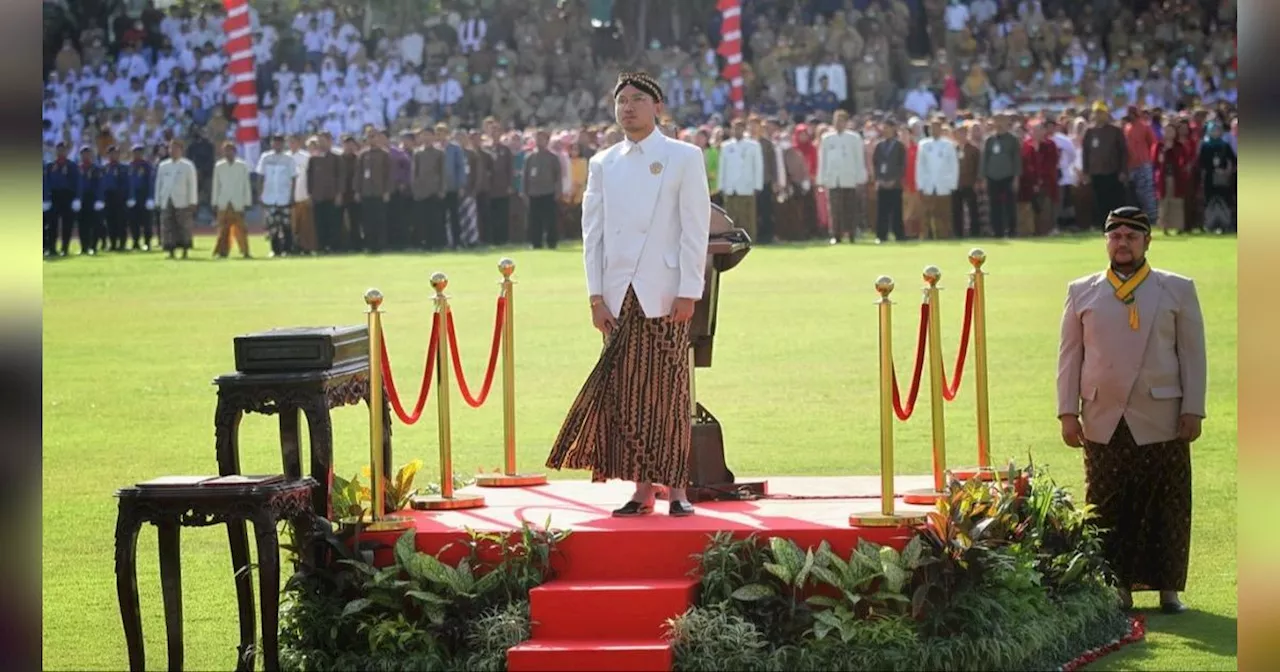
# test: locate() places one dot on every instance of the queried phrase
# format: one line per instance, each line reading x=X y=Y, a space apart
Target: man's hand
x=602 y=319
x=1189 y=427
x=1072 y=432
x=682 y=310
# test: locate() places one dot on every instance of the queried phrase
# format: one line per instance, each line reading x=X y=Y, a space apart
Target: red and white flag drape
x=731 y=48
x=243 y=77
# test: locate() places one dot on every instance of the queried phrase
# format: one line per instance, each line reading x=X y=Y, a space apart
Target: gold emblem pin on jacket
x=655 y=168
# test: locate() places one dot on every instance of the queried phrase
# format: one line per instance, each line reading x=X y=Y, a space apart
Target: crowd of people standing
x=1025 y=154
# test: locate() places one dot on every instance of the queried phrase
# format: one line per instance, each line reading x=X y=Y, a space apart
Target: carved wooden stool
x=174 y=502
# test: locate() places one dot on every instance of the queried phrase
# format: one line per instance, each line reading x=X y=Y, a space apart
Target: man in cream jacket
x=842 y=168
x=232 y=196
x=937 y=177
x=177 y=198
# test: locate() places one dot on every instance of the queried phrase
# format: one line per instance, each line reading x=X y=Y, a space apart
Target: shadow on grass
x=1209 y=633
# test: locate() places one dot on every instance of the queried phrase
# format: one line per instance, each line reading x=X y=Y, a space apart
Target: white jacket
x=937 y=167
x=646 y=218
x=842 y=160
x=741 y=167
x=176 y=181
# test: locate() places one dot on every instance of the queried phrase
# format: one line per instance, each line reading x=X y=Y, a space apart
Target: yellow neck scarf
x=1125 y=290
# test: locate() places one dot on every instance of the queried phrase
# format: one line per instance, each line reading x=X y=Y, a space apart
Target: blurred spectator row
x=143 y=72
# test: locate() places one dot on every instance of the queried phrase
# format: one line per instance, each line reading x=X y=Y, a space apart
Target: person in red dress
x=1172 y=160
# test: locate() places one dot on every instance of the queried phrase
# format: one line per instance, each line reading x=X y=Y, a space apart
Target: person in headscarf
x=1173 y=165
x=1217 y=166
x=800 y=210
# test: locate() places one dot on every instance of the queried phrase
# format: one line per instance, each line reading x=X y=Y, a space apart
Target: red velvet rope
x=949 y=390
x=1137 y=631
x=475 y=402
x=424 y=390
x=905 y=413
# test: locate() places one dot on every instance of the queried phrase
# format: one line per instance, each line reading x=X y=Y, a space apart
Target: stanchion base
x=879 y=519
x=388 y=523
x=970 y=473
x=510 y=480
x=439 y=503
x=923 y=496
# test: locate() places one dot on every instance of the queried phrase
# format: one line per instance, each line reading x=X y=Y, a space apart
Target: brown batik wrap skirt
x=1142 y=495
x=175 y=227
x=632 y=418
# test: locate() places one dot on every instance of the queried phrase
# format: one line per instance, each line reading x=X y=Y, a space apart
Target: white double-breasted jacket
x=646 y=217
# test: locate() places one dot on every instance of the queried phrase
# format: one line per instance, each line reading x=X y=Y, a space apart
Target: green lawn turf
x=132 y=342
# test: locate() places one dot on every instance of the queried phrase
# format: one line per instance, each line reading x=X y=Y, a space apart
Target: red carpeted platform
x=619 y=579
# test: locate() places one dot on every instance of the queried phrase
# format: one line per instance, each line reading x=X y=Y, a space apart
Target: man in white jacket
x=232 y=196
x=176 y=194
x=741 y=173
x=842 y=168
x=646 y=218
x=937 y=176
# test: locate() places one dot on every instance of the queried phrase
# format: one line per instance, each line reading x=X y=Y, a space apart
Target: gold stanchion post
x=977 y=279
x=932 y=274
x=447 y=499
x=886 y=516
x=509 y=478
x=375 y=520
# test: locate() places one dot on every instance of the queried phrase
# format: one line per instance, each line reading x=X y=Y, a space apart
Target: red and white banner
x=731 y=48
x=243 y=73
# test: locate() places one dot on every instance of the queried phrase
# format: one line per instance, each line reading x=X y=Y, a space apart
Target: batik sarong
x=1143 y=499
x=632 y=419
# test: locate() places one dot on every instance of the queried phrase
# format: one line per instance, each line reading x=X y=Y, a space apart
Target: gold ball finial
x=932 y=274
x=373 y=298
x=506 y=266
x=884 y=285
x=977 y=257
x=439 y=281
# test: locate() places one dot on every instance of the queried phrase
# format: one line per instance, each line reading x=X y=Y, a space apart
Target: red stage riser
x=613 y=611
x=617 y=581
x=643 y=553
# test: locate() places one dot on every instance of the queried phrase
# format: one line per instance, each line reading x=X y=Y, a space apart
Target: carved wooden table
x=170 y=508
x=311 y=393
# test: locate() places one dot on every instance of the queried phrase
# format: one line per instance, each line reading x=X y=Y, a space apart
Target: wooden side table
x=174 y=502
x=287 y=394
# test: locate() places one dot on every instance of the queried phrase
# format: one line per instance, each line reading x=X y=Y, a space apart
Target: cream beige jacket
x=1149 y=377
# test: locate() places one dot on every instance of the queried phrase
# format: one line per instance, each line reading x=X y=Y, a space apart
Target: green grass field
x=131 y=344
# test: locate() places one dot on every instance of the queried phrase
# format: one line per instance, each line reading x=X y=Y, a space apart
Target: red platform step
x=609 y=610
x=601 y=625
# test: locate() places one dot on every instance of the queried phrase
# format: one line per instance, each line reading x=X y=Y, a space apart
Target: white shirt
x=807 y=79
x=277 y=170
x=921 y=102
x=983 y=10
x=741 y=169
x=937 y=167
x=411 y=46
x=1066 y=159
x=842 y=160
x=956 y=17
x=300 y=193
